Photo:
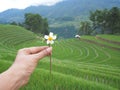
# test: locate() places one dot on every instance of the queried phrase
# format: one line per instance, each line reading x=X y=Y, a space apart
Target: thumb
x=43 y=53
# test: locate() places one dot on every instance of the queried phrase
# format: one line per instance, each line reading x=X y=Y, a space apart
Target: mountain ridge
x=70 y=8
x=64 y=17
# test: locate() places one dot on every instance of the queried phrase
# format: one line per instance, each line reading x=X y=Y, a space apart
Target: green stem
x=50 y=62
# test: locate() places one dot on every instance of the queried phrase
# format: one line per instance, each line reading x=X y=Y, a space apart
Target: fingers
x=32 y=50
x=36 y=53
x=43 y=53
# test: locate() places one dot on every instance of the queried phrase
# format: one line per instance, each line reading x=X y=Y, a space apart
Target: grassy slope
x=111 y=37
x=17 y=35
x=77 y=65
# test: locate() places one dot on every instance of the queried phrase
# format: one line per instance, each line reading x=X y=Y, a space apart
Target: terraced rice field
x=111 y=37
x=76 y=64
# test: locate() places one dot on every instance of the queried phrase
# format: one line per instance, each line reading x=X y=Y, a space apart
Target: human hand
x=25 y=63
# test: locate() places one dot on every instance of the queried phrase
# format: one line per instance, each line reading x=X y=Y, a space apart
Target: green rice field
x=76 y=64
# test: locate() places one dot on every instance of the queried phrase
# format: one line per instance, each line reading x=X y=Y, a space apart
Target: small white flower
x=77 y=36
x=50 y=38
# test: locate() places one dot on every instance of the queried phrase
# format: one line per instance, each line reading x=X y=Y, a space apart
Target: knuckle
x=46 y=52
x=21 y=50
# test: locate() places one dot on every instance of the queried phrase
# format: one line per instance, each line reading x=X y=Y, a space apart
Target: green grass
x=14 y=35
x=111 y=37
x=93 y=38
x=76 y=65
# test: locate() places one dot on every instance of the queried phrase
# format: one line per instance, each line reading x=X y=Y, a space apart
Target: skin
x=19 y=73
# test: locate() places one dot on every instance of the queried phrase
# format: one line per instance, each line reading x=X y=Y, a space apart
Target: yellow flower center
x=50 y=38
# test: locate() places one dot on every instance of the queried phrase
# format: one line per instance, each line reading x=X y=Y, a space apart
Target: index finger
x=33 y=50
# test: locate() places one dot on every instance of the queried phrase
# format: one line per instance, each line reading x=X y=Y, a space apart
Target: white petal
x=54 y=37
x=48 y=42
x=46 y=36
x=51 y=34
x=52 y=42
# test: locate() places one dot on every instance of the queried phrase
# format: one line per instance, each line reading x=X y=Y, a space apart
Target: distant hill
x=66 y=8
x=67 y=13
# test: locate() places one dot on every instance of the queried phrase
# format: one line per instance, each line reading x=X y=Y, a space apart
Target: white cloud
x=21 y=4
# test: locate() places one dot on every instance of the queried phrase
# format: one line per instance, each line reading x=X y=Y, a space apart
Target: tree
x=113 y=20
x=36 y=23
x=99 y=19
x=85 y=28
x=13 y=23
x=45 y=26
x=108 y=20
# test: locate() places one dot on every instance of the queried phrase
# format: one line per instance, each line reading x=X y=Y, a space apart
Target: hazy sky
x=21 y=4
